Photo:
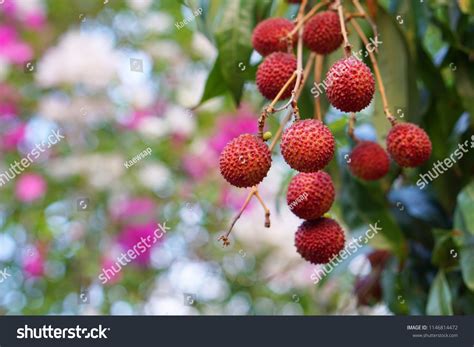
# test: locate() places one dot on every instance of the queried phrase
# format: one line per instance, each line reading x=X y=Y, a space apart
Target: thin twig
x=352 y=120
x=346 y=44
x=265 y=208
x=306 y=17
x=318 y=70
x=378 y=75
x=367 y=17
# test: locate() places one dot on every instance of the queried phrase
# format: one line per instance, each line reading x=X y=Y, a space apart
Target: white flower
x=154 y=176
x=153 y=127
x=180 y=121
x=87 y=58
x=157 y=22
x=4 y=69
x=202 y=46
x=139 y=5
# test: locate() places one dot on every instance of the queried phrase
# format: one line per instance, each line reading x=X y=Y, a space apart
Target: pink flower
x=33 y=263
x=138 y=115
x=229 y=127
x=35 y=20
x=199 y=165
x=9 y=99
x=30 y=187
x=13 y=136
x=139 y=240
x=135 y=210
x=13 y=49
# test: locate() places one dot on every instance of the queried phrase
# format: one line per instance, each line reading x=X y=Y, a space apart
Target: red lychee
x=307 y=145
x=310 y=195
x=408 y=145
x=319 y=240
x=245 y=161
x=269 y=36
x=350 y=85
x=322 y=33
x=273 y=74
x=369 y=161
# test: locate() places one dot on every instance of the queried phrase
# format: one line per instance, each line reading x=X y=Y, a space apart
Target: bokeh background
x=118 y=77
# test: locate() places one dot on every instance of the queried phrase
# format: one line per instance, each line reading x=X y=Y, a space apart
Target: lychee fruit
x=307 y=145
x=350 y=85
x=408 y=145
x=322 y=33
x=245 y=161
x=274 y=72
x=369 y=161
x=310 y=195
x=269 y=36
x=319 y=240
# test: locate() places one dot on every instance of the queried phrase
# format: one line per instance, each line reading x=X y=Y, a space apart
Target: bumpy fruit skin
x=408 y=145
x=269 y=35
x=273 y=74
x=318 y=241
x=369 y=161
x=322 y=34
x=350 y=85
x=307 y=145
x=245 y=161
x=310 y=195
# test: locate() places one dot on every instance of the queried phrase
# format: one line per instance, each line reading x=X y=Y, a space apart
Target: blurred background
x=145 y=97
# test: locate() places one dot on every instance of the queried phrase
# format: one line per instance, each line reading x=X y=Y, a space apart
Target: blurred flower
x=199 y=161
x=131 y=210
x=158 y=22
x=132 y=235
x=66 y=63
x=33 y=262
x=9 y=99
x=139 y=5
x=30 y=187
x=154 y=176
x=31 y=12
x=12 y=137
x=12 y=48
x=231 y=126
x=202 y=46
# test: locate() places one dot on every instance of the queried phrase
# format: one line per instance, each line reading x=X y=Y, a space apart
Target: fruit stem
x=225 y=238
x=352 y=121
x=346 y=45
x=308 y=15
x=367 y=18
x=265 y=208
x=378 y=75
x=318 y=70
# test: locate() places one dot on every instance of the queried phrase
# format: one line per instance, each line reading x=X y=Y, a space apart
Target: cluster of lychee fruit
x=308 y=145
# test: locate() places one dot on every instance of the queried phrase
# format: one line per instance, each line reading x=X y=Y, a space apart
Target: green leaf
x=234 y=37
x=215 y=83
x=439 y=300
x=464 y=222
x=398 y=76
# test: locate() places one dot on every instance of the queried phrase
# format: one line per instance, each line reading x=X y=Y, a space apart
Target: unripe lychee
x=319 y=240
x=269 y=36
x=273 y=74
x=307 y=145
x=408 y=145
x=310 y=195
x=369 y=161
x=322 y=33
x=350 y=85
x=245 y=161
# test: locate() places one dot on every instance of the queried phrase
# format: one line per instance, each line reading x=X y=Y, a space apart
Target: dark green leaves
x=439 y=300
